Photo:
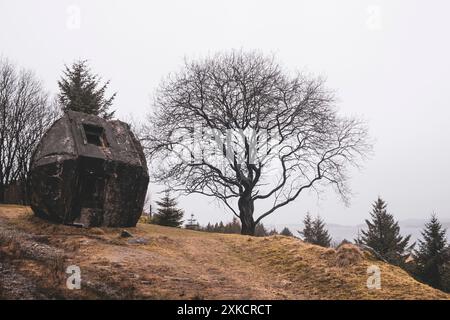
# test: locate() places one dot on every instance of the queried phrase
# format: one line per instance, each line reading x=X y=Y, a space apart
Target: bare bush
x=25 y=114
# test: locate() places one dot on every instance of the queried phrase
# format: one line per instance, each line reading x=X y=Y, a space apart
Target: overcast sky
x=389 y=62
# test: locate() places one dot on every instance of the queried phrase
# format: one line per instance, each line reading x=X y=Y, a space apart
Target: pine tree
x=286 y=232
x=192 y=223
x=235 y=226
x=307 y=232
x=80 y=90
x=431 y=255
x=314 y=231
x=209 y=228
x=320 y=233
x=446 y=270
x=168 y=214
x=260 y=230
x=383 y=235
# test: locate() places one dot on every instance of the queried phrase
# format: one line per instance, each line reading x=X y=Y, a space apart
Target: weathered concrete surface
x=89 y=171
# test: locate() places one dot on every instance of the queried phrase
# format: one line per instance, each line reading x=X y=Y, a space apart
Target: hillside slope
x=169 y=263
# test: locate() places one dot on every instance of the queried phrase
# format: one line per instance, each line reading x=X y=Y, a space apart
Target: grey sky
x=388 y=61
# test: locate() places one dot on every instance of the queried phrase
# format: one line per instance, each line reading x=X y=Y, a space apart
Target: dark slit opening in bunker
x=95 y=135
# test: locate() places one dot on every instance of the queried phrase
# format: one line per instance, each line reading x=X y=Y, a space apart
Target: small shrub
x=347 y=255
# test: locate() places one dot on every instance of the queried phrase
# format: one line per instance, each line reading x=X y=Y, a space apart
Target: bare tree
x=25 y=114
x=239 y=128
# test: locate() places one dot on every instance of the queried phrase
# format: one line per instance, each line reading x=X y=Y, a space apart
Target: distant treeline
x=235 y=227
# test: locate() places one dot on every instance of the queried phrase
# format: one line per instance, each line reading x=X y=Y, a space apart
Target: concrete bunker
x=90 y=172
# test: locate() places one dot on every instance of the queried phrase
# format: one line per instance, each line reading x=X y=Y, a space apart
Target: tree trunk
x=246 y=209
x=2 y=193
x=24 y=191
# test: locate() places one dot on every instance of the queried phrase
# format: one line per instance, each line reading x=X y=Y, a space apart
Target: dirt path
x=194 y=268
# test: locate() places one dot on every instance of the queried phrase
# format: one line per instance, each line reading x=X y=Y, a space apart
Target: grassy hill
x=170 y=263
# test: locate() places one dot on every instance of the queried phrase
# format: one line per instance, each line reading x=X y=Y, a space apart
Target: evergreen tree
x=286 y=232
x=273 y=232
x=307 y=232
x=80 y=90
x=260 y=230
x=320 y=233
x=383 y=235
x=446 y=270
x=192 y=223
x=209 y=228
x=314 y=231
x=168 y=214
x=431 y=255
x=234 y=226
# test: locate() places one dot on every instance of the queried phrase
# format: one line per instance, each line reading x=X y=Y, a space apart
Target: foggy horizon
x=387 y=62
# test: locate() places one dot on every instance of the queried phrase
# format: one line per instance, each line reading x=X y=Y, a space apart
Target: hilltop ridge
x=170 y=263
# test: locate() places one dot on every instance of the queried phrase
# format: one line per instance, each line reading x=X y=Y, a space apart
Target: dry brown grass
x=348 y=255
x=185 y=264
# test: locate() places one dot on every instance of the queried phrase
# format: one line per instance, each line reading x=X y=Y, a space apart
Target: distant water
x=341 y=232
